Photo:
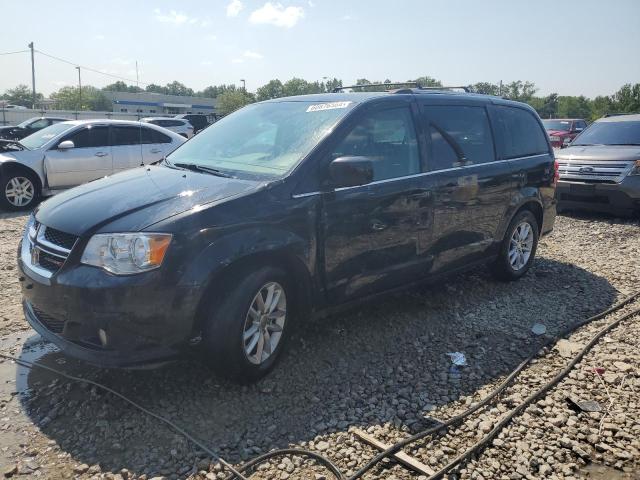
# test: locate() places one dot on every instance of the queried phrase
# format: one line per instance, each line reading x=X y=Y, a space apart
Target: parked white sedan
x=71 y=153
x=177 y=125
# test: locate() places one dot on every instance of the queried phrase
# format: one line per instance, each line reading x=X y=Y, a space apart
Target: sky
x=588 y=47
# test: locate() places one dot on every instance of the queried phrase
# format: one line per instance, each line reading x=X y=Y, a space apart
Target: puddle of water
x=36 y=350
x=595 y=471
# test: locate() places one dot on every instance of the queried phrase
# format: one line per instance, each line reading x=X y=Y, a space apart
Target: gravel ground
x=382 y=368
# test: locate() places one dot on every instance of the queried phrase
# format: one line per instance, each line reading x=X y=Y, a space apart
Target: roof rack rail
x=400 y=90
x=363 y=85
x=460 y=87
x=607 y=115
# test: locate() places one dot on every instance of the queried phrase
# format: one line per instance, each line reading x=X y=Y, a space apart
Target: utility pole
x=137 y=77
x=33 y=77
x=79 y=90
x=500 y=91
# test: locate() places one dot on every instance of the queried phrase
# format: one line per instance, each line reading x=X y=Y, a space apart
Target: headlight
x=31 y=227
x=566 y=141
x=126 y=253
x=636 y=168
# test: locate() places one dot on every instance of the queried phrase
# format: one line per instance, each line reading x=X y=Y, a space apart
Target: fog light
x=103 y=337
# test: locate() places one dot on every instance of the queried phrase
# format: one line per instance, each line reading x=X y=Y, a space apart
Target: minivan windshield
x=610 y=133
x=38 y=139
x=562 y=125
x=264 y=139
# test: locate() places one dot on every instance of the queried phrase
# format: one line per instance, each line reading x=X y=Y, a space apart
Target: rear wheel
x=518 y=248
x=18 y=190
x=248 y=326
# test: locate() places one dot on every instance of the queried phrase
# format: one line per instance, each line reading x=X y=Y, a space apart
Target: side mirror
x=66 y=145
x=350 y=171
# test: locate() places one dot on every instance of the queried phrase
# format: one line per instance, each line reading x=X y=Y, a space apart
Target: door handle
x=101 y=154
x=156 y=150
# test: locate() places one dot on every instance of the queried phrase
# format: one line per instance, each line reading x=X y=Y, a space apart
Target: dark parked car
x=198 y=121
x=26 y=128
x=563 y=130
x=283 y=210
x=600 y=170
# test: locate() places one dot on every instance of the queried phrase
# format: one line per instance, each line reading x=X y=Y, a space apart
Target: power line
x=89 y=69
x=11 y=53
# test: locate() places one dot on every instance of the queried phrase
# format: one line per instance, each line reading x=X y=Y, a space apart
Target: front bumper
x=623 y=197
x=109 y=320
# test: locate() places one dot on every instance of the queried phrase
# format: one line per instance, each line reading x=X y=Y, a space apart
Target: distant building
x=149 y=104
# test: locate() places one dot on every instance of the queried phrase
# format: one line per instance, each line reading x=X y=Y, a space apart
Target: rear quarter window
x=519 y=133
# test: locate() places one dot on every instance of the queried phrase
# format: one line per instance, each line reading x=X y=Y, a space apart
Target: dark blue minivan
x=281 y=211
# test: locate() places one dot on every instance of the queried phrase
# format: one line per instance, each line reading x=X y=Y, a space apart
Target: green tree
x=273 y=89
x=574 y=107
x=427 y=81
x=627 y=99
x=547 y=107
x=177 y=88
x=153 y=88
x=21 y=95
x=519 y=90
x=331 y=84
x=298 y=86
x=602 y=105
x=232 y=100
x=214 y=91
x=486 y=88
x=67 y=98
x=120 y=86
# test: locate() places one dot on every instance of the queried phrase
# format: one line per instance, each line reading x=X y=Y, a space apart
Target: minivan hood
x=136 y=199
x=600 y=152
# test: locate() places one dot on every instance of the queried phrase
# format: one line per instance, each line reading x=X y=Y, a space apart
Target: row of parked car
x=43 y=156
x=289 y=209
x=186 y=125
x=599 y=164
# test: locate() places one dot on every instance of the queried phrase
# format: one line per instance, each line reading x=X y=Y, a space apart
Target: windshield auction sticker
x=327 y=106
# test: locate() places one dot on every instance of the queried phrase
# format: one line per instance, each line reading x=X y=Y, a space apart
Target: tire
x=19 y=190
x=516 y=253
x=230 y=321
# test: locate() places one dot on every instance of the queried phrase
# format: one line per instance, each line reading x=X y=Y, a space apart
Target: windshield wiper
x=201 y=168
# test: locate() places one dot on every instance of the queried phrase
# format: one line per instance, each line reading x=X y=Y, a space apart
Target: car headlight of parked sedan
x=126 y=253
x=636 y=168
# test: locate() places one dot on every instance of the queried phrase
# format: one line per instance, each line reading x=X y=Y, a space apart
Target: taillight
x=556 y=172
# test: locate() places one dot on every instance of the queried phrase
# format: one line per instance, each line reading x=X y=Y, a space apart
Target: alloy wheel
x=520 y=245
x=19 y=191
x=264 y=323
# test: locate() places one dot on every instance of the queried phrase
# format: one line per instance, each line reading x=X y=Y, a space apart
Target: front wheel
x=249 y=324
x=518 y=248
x=19 y=191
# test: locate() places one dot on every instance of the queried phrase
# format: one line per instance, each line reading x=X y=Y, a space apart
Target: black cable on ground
x=238 y=473
x=177 y=428
x=484 y=441
x=503 y=385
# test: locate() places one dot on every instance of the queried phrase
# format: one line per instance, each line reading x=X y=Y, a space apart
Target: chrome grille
x=45 y=249
x=62 y=239
x=594 y=171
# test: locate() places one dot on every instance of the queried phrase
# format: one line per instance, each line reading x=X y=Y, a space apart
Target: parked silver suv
x=600 y=170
